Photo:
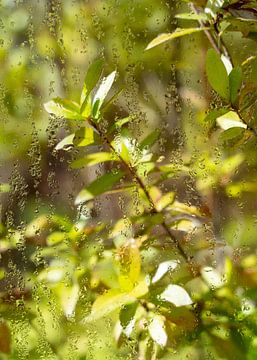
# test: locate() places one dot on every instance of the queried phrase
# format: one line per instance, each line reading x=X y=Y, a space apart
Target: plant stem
x=143 y=187
x=213 y=41
x=223 y=51
x=254 y=132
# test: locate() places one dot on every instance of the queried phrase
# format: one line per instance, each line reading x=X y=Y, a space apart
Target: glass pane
x=128 y=179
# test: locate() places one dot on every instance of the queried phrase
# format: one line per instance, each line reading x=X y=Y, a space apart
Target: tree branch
x=143 y=187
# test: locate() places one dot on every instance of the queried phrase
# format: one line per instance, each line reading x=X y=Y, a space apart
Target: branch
x=235 y=109
x=213 y=41
x=143 y=187
x=223 y=51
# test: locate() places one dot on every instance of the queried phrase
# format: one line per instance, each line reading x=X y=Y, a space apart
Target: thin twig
x=213 y=41
x=143 y=187
x=235 y=109
x=223 y=51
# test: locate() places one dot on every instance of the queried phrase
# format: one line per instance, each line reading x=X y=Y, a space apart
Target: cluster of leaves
x=157 y=300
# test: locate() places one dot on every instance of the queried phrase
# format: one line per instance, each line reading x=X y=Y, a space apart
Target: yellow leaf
x=169 y=36
x=108 y=302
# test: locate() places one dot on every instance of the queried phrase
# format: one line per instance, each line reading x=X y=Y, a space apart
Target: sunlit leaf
x=166 y=200
x=99 y=186
x=230 y=120
x=108 y=302
x=192 y=16
x=217 y=74
x=56 y=237
x=232 y=136
x=5 y=187
x=86 y=107
x=185 y=225
x=157 y=331
x=184 y=208
x=91 y=79
x=227 y=63
x=63 y=108
x=170 y=36
x=163 y=268
x=231 y=163
x=69 y=298
x=35 y=227
x=86 y=136
x=212 y=277
x=130 y=265
x=141 y=288
x=176 y=295
x=118 y=124
x=143 y=169
x=65 y=143
x=52 y=274
x=93 y=159
x=102 y=92
x=2 y=273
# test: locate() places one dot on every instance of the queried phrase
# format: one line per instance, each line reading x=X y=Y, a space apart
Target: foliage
x=156 y=271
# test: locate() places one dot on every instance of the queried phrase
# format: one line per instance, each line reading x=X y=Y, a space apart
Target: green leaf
x=63 y=108
x=127 y=314
x=95 y=110
x=211 y=117
x=55 y=238
x=86 y=107
x=170 y=36
x=99 y=186
x=108 y=302
x=192 y=16
x=176 y=295
x=232 y=136
x=5 y=187
x=86 y=136
x=65 y=143
x=149 y=140
x=217 y=74
x=102 y=92
x=118 y=124
x=92 y=77
x=115 y=298
x=184 y=208
x=230 y=164
x=93 y=159
x=141 y=289
x=143 y=169
x=130 y=266
x=165 y=201
x=235 y=82
x=2 y=273
x=105 y=271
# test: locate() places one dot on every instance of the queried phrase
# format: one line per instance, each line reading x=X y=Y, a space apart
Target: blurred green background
x=45 y=50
